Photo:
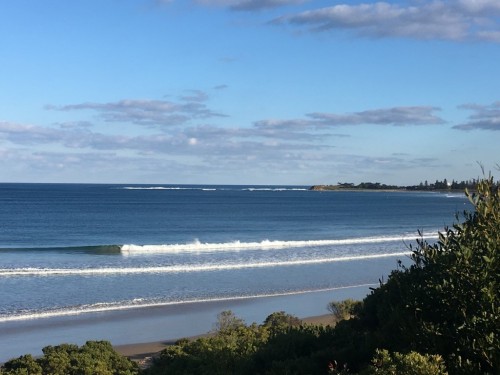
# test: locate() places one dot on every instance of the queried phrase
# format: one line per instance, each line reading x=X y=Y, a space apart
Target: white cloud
x=249 y=5
x=28 y=134
x=195 y=96
x=279 y=147
x=149 y=112
x=484 y=117
x=396 y=116
x=456 y=20
x=209 y=140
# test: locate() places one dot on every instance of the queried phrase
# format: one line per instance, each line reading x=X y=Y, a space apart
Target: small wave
x=16 y=272
x=145 y=303
x=198 y=246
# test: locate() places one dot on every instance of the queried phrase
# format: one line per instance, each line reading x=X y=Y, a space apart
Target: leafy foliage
x=227 y=321
x=281 y=345
x=93 y=358
x=460 y=309
x=413 y=363
x=279 y=322
x=447 y=302
x=24 y=365
x=346 y=309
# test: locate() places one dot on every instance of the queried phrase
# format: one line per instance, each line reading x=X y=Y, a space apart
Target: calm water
x=79 y=249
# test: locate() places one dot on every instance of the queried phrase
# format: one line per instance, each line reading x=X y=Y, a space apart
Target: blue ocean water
x=79 y=249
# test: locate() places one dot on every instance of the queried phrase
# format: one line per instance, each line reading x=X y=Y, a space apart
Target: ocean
x=136 y=263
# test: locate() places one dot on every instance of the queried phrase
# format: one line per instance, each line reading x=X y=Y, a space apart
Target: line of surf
x=274 y=189
x=16 y=272
x=166 y=188
x=213 y=188
x=197 y=246
x=144 y=303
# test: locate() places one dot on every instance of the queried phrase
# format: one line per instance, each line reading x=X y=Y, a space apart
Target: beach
x=141 y=332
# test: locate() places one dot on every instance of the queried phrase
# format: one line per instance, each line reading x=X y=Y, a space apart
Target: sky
x=269 y=92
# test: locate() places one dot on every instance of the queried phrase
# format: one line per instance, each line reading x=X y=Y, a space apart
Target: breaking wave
x=165 y=188
x=211 y=247
x=198 y=246
x=214 y=188
x=16 y=272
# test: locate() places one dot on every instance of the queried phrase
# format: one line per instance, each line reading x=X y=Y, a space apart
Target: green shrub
x=24 y=365
x=228 y=351
x=280 y=321
x=93 y=358
x=227 y=321
x=447 y=302
x=346 y=309
x=413 y=363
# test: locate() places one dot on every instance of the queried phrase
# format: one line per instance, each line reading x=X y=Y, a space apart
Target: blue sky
x=248 y=91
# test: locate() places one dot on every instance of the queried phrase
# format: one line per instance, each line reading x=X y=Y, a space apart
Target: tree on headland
x=438 y=185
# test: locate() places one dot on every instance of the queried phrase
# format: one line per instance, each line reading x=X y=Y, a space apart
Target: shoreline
x=140 y=332
x=144 y=350
x=402 y=190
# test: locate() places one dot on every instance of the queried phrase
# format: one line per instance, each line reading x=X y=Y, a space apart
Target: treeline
x=422 y=186
x=440 y=315
x=368 y=185
x=445 y=185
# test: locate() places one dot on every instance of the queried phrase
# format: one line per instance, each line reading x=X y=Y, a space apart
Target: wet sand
x=144 y=331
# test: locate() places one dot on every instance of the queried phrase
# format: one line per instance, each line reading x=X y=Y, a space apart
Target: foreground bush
x=282 y=344
x=93 y=358
x=413 y=363
x=447 y=302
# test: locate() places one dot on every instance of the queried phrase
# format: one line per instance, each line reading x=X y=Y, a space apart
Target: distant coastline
x=438 y=186
x=337 y=188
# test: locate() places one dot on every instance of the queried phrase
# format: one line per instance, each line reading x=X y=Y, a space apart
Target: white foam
x=211 y=188
x=198 y=247
x=144 y=303
x=182 y=269
x=456 y=195
x=160 y=188
x=275 y=189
